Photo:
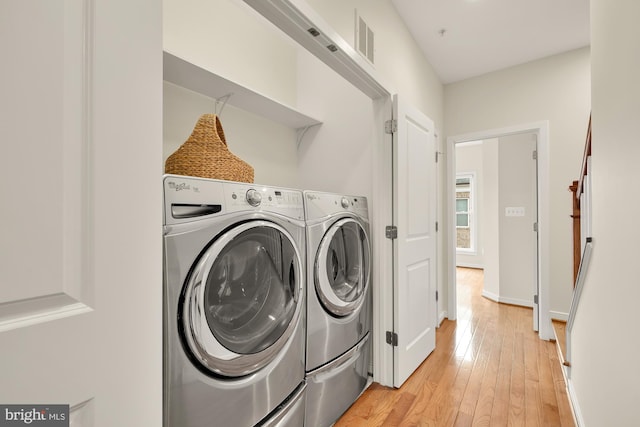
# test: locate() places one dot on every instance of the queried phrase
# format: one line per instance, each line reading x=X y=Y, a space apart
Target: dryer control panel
x=320 y=205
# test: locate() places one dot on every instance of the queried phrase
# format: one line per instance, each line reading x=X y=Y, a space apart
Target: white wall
x=469 y=160
x=266 y=145
x=605 y=372
x=124 y=232
x=555 y=89
x=336 y=156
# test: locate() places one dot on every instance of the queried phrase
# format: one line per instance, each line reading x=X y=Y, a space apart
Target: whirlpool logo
x=179 y=187
x=182 y=186
x=37 y=415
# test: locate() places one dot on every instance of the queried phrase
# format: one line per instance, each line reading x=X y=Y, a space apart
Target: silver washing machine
x=338 y=304
x=234 y=286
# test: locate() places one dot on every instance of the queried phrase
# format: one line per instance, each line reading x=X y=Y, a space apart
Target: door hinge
x=391 y=126
x=535 y=227
x=535 y=155
x=437 y=226
x=392 y=338
x=437 y=156
x=535 y=299
x=436 y=296
x=391 y=232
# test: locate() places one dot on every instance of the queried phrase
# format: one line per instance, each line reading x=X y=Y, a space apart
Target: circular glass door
x=342 y=267
x=242 y=300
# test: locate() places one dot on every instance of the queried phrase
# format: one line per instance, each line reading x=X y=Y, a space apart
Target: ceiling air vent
x=364 y=38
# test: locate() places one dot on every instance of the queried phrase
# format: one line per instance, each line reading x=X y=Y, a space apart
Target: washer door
x=342 y=267
x=242 y=300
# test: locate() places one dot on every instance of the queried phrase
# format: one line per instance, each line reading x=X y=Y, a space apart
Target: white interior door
x=517 y=254
x=80 y=280
x=46 y=314
x=414 y=171
x=536 y=246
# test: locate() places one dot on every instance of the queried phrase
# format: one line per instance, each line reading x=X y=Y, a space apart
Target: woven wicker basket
x=205 y=154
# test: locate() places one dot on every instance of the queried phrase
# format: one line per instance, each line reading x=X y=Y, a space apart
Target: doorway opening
x=511 y=210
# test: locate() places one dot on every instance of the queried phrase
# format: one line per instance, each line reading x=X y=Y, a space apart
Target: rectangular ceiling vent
x=364 y=39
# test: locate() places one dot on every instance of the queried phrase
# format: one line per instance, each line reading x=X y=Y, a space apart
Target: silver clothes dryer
x=233 y=310
x=338 y=304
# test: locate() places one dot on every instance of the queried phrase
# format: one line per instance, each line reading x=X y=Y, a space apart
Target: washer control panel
x=240 y=195
x=251 y=196
x=254 y=198
x=190 y=198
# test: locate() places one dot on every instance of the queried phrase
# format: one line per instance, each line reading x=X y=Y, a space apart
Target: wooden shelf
x=185 y=74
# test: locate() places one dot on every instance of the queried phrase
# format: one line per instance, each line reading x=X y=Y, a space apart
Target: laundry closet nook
x=284 y=277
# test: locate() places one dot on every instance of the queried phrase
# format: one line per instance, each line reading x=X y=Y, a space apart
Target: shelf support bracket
x=302 y=131
x=222 y=100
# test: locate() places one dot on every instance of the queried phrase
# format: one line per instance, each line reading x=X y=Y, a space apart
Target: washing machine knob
x=254 y=198
x=344 y=202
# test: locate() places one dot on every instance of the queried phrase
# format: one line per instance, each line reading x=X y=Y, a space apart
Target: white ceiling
x=481 y=36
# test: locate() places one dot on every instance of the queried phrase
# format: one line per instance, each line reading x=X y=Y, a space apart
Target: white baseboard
x=469 y=265
x=491 y=296
x=515 y=301
x=571 y=393
x=506 y=300
x=558 y=315
x=573 y=401
x=443 y=315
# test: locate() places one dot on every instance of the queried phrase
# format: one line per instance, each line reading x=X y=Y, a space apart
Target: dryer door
x=243 y=299
x=342 y=267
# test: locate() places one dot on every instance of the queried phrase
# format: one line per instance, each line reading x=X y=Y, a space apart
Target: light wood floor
x=489 y=369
